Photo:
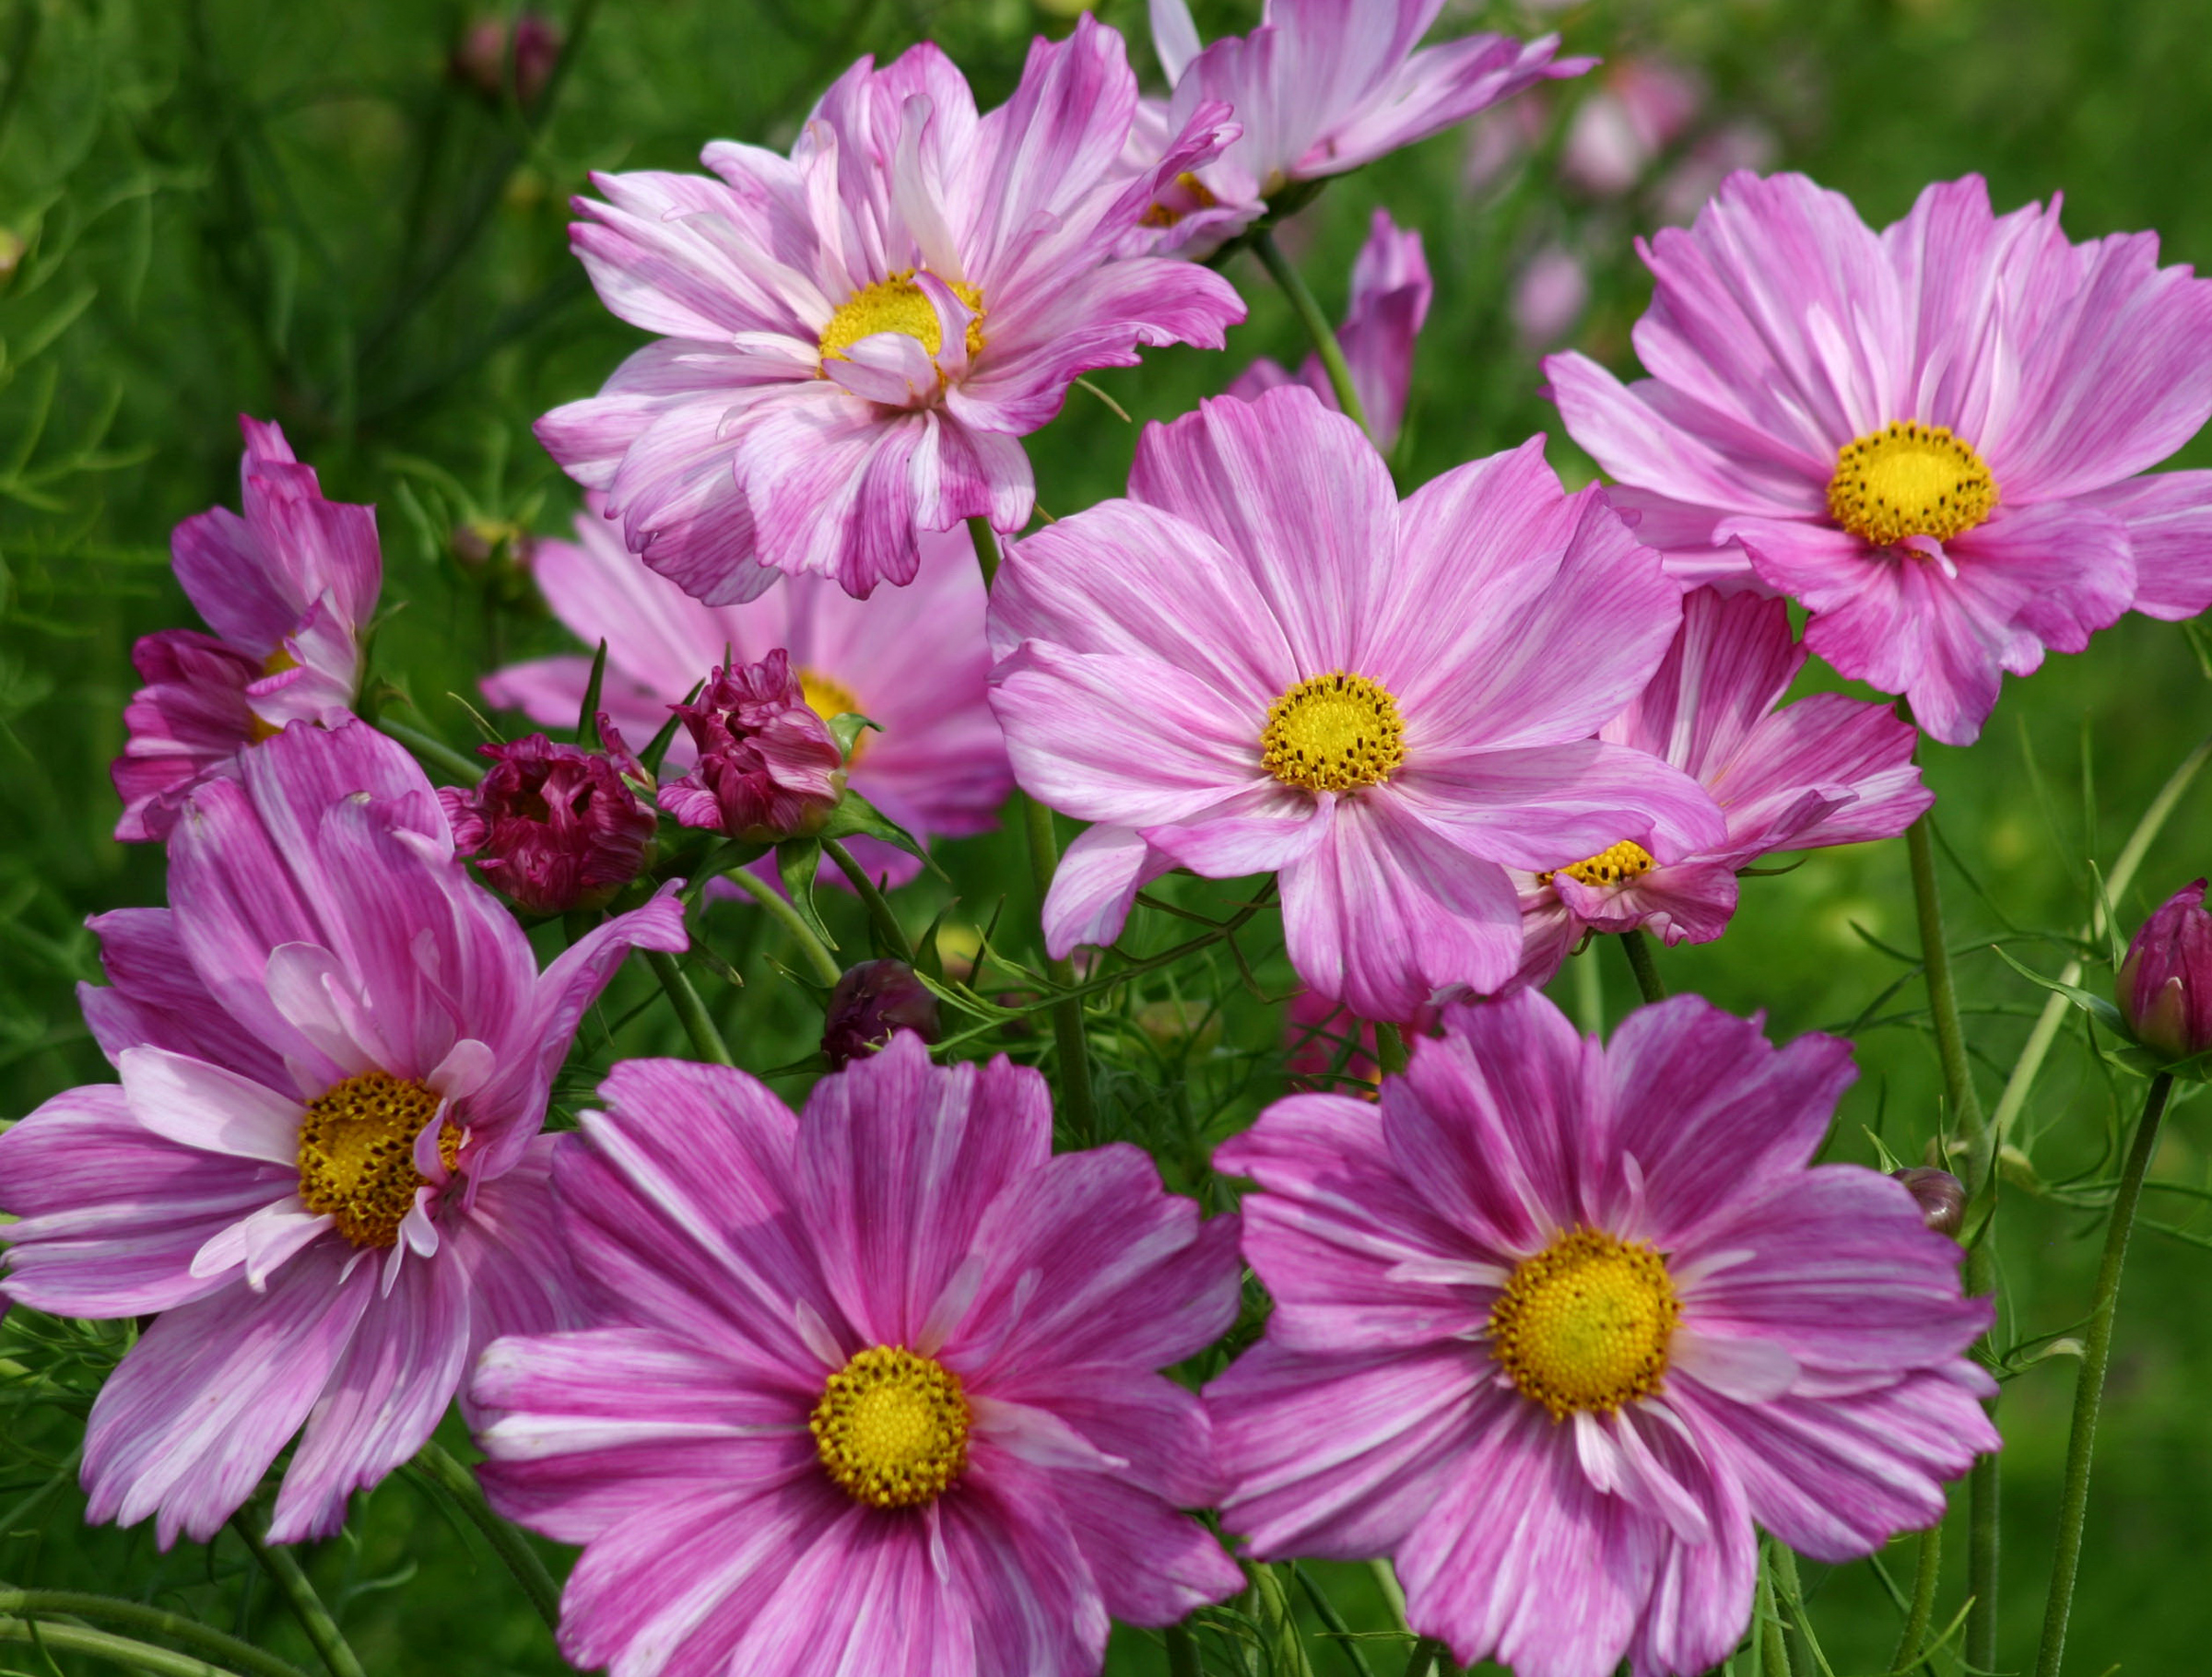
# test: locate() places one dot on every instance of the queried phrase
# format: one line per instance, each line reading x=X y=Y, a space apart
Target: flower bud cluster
x=552 y=826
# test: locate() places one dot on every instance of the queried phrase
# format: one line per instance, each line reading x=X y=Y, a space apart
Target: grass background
x=304 y=213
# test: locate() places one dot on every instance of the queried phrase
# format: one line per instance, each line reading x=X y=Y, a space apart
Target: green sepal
x=2125 y=1052
x=798 y=861
x=844 y=728
x=856 y=816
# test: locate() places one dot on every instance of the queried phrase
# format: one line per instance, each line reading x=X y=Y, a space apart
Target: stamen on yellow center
x=1333 y=732
x=892 y=1427
x=897 y=304
x=1614 y=865
x=1910 y=479
x=275 y=663
x=1185 y=193
x=1585 y=1323
x=829 y=698
x=357 y=1153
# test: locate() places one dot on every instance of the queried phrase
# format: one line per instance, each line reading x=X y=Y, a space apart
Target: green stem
x=242 y=1657
x=1637 y=948
x=1390 y=1049
x=1067 y=1010
x=879 y=912
x=1426 y=1653
x=1182 y=1651
x=506 y=1542
x=1335 y=1621
x=2088 y=1391
x=1918 y=1617
x=1790 y=1591
x=986 y=549
x=1316 y=324
x=119 y=1650
x=433 y=751
x=698 y=1024
x=1590 y=995
x=1773 y=1654
x=818 y=957
x=284 y=1572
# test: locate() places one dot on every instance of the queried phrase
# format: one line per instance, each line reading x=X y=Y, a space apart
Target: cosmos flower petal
x=1098 y=879
x=207 y=1107
x=1549 y=806
x=2169 y=520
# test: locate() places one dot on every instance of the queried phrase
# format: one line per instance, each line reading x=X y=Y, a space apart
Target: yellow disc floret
x=357 y=1153
x=1910 y=479
x=1185 y=193
x=1617 y=864
x=892 y=1427
x=1584 y=1324
x=829 y=698
x=897 y=304
x=1333 y=732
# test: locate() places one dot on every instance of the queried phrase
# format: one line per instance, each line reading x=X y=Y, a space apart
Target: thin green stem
x=1773 y=1654
x=242 y=1657
x=698 y=1024
x=433 y=751
x=2088 y=1391
x=1637 y=948
x=1791 y=1592
x=1926 y=1576
x=284 y=1569
x=1182 y=1651
x=506 y=1542
x=119 y=1650
x=1426 y=1653
x=1590 y=995
x=1069 y=1039
x=1326 y=1609
x=986 y=548
x=817 y=956
x=1390 y=1049
x=879 y=912
x=1316 y=324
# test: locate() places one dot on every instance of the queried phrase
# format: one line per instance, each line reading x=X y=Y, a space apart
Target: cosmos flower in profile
x=1930 y=437
x=1573 y=1318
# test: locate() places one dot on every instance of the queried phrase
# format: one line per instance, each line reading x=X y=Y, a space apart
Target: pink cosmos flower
x=555 y=827
x=875 y=1383
x=1549 y=296
x=913 y=659
x=1557 y=1323
x=1321 y=88
x=322 y=1169
x=1390 y=289
x=765 y=765
x=1261 y=663
x=1929 y=436
x=1825 y=770
x=287 y=589
x=853 y=338
x=1639 y=108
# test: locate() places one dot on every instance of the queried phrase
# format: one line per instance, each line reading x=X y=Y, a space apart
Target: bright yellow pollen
x=829 y=698
x=357 y=1153
x=892 y=1427
x=1611 y=866
x=1584 y=1324
x=275 y=663
x=897 y=304
x=1910 y=479
x=1195 y=196
x=1333 y=732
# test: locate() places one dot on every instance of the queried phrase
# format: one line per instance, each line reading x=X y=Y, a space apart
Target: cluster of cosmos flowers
x=1556 y=1325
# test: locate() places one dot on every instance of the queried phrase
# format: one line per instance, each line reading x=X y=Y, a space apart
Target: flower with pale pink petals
x=1573 y=1318
x=765 y=765
x=1635 y=111
x=555 y=827
x=876 y=1379
x=1825 y=770
x=287 y=589
x=1390 y=289
x=1929 y=436
x=322 y=1172
x=1261 y=662
x=853 y=339
x=913 y=659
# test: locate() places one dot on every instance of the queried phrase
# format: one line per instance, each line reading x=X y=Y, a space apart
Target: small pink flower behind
x=767 y=767
x=555 y=827
x=322 y=1170
x=1573 y=1318
x=2165 y=984
x=287 y=589
x=877 y=1379
x=1825 y=770
x=1930 y=437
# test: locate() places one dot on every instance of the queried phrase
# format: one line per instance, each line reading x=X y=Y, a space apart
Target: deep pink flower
x=765 y=764
x=553 y=827
x=322 y=1167
x=1321 y=88
x=1261 y=662
x=1571 y=1317
x=875 y=1383
x=1390 y=289
x=913 y=659
x=1825 y=770
x=854 y=338
x=287 y=589
x=2165 y=984
x=1929 y=436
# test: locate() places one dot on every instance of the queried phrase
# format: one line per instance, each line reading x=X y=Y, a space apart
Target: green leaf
x=845 y=726
x=855 y=816
x=2097 y=1006
x=587 y=716
x=798 y=861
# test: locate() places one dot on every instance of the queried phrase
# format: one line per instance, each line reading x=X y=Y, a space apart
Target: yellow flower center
x=1584 y=1324
x=1611 y=866
x=892 y=1427
x=1333 y=732
x=897 y=304
x=357 y=1153
x=275 y=663
x=829 y=698
x=1186 y=193
x=1910 y=479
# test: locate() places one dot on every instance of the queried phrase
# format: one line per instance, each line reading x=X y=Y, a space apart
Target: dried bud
x=768 y=767
x=1941 y=1196
x=552 y=826
x=871 y=1001
x=2164 y=986
x=481 y=58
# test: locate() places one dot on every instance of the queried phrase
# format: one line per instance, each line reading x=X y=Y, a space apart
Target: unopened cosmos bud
x=871 y=1001
x=2164 y=986
x=1940 y=1195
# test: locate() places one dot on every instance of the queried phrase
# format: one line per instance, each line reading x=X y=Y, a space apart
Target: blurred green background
x=340 y=217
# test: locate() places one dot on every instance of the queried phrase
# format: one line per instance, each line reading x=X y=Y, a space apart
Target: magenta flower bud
x=481 y=58
x=2165 y=985
x=767 y=767
x=555 y=827
x=871 y=1001
x=1940 y=1195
